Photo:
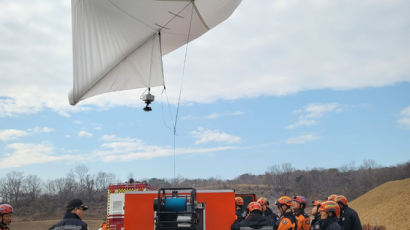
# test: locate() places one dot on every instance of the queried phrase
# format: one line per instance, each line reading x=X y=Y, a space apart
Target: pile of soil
x=387 y=205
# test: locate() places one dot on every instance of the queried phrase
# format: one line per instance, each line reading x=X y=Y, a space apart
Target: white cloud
x=405 y=117
x=47 y=130
x=28 y=154
x=340 y=49
x=12 y=134
x=124 y=149
x=406 y=112
x=213 y=115
x=218 y=115
x=114 y=138
x=309 y=114
x=84 y=134
x=302 y=139
x=204 y=136
x=109 y=137
x=41 y=130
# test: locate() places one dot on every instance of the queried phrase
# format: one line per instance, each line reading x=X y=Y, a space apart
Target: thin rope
x=165 y=110
x=152 y=59
x=181 y=84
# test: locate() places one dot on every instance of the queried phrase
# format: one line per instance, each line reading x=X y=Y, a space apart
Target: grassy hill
x=387 y=204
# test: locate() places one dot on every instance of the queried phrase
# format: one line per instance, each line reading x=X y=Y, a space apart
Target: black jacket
x=254 y=220
x=70 y=221
x=315 y=223
x=330 y=224
x=349 y=220
x=268 y=213
x=240 y=214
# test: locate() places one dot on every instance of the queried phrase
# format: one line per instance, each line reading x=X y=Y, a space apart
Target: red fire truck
x=116 y=202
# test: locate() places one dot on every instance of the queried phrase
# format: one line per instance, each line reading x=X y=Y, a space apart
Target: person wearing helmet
x=303 y=219
x=73 y=217
x=240 y=212
x=255 y=219
x=266 y=210
x=315 y=224
x=329 y=211
x=349 y=219
x=332 y=197
x=103 y=226
x=287 y=220
x=6 y=212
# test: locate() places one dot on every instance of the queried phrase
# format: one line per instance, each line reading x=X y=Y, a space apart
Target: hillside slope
x=387 y=204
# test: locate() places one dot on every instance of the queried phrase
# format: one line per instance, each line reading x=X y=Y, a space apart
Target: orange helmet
x=341 y=199
x=254 y=206
x=300 y=199
x=332 y=197
x=238 y=200
x=316 y=202
x=284 y=200
x=263 y=201
x=5 y=209
x=330 y=206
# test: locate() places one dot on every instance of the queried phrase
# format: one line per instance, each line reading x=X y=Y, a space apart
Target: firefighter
x=266 y=210
x=239 y=210
x=298 y=206
x=73 y=217
x=6 y=212
x=349 y=220
x=315 y=224
x=103 y=226
x=332 y=197
x=329 y=211
x=255 y=219
x=287 y=220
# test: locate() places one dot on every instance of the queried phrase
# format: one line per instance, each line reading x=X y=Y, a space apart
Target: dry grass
x=386 y=205
x=369 y=227
x=45 y=224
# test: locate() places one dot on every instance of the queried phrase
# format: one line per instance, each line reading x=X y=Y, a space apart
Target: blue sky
x=316 y=85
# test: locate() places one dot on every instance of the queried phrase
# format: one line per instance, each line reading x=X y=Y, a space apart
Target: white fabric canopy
x=118 y=44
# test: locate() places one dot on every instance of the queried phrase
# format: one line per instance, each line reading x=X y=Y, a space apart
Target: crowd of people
x=331 y=214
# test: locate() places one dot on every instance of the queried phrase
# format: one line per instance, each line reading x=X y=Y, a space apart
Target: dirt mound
x=387 y=204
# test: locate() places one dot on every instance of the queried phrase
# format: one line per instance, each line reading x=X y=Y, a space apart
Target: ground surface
x=44 y=225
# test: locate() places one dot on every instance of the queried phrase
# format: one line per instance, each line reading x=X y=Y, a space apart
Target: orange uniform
x=303 y=221
x=103 y=226
x=287 y=222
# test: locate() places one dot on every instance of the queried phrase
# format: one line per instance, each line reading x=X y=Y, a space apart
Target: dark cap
x=76 y=203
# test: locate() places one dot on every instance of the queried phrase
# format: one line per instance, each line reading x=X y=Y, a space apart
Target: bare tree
x=32 y=187
x=12 y=186
x=103 y=180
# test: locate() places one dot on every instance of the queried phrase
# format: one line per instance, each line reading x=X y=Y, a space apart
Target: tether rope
x=180 y=88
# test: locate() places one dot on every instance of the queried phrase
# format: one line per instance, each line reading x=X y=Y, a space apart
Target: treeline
x=315 y=183
x=35 y=199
